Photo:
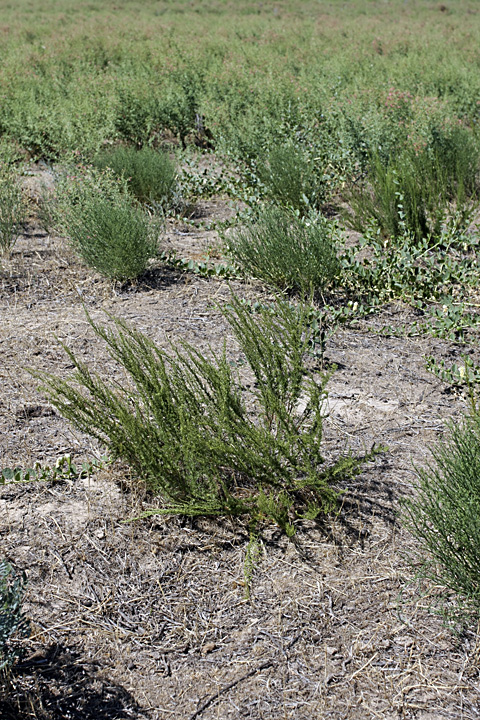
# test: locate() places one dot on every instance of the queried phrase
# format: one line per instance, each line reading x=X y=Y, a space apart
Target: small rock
x=208 y=648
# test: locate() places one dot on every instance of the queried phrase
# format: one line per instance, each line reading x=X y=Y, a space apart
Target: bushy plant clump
x=13 y=623
x=427 y=180
x=444 y=515
x=188 y=427
x=151 y=175
x=286 y=251
x=110 y=233
x=117 y=240
x=291 y=178
x=144 y=110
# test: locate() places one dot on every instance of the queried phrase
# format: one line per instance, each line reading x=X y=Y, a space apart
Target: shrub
x=418 y=189
x=12 y=207
x=142 y=114
x=117 y=240
x=291 y=178
x=444 y=515
x=110 y=233
x=188 y=427
x=151 y=174
x=134 y=117
x=398 y=199
x=286 y=251
x=13 y=623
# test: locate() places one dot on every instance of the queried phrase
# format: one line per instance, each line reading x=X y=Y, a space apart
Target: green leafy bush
x=12 y=207
x=117 y=240
x=13 y=623
x=417 y=189
x=151 y=175
x=134 y=117
x=286 y=251
x=143 y=113
x=444 y=515
x=291 y=178
x=199 y=438
x=111 y=234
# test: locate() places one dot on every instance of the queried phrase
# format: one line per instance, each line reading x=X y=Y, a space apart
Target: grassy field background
x=250 y=70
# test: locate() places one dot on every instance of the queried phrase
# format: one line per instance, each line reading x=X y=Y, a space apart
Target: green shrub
x=418 y=189
x=456 y=154
x=151 y=174
x=190 y=429
x=143 y=111
x=75 y=186
x=134 y=117
x=444 y=515
x=12 y=208
x=13 y=624
x=111 y=234
x=397 y=198
x=291 y=178
x=117 y=240
x=286 y=251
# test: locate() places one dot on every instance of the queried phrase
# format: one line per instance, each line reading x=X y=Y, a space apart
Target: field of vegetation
x=239 y=325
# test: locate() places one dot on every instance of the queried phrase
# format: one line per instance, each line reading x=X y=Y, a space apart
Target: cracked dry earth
x=149 y=619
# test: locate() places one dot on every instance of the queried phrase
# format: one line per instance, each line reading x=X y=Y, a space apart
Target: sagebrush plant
x=13 y=623
x=444 y=514
x=105 y=227
x=151 y=174
x=13 y=207
x=419 y=187
x=197 y=437
x=117 y=240
x=291 y=178
x=285 y=250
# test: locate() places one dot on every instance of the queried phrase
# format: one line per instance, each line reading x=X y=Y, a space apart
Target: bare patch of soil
x=149 y=619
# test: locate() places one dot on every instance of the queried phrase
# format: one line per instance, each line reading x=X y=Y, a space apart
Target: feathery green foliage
x=417 y=189
x=444 y=515
x=151 y=175
x=118 y=241
x=286 y=251
x=291 y=178
x=190 y=429
x=110 y=233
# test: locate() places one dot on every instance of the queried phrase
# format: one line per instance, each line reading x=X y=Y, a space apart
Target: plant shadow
x=57 y=683
x=368 y=500
x=155 y=278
